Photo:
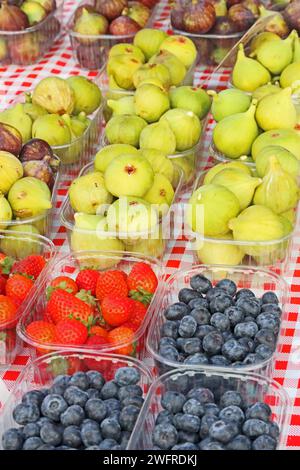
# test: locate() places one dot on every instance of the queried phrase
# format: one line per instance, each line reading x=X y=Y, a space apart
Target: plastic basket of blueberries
x=74 y=400
x=204 y=410
x=219 y=317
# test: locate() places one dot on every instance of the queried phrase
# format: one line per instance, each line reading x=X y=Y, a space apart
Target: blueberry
x=135 y=401
x=12 y=439
x=60 y=383
x=73 y=415
x=233 y=351
x=220 y=303
x=165 y=436
x=222 y=431
x=240 y=442
x=264 y=442
x=219 y=360
x=228 y=286
x=209 y=444
x=264 y=351
x=206 y=422
x=74 y=396
x=31 y=430
x=235 y=315
x=220 y=321
x=272 y=308
x=129 y=416
x=33 y=397
x=176 y=311
x=245 y=329
x=164 y=416
x=193 y=407
x=244 y=293
x=24 y=414
x=72 y=436
x=255 y=427
x=265 y=336
x=117 y=447
x=211 y=409
x=185 y=446
x=231 y=397
x=80 y=380
x=196 y=359
x=259 y=410
x=32 y=443
x=46 y=447
x=189 y=423
x=268 y=321
x=191 y=345
x=166 y=341
x=203 y=395
x=110 y=429
x=227 y=335
x=112 y=406
x=170 y=353
x=44 y=420
x=187 y=327
x=213 y=293
x=249 y=306
x=169 y=329
x=129 y=391
x=201 y=315
x=173 y=401
x=107 y=444
x=248 y=343
x=90 y=434
x=274 y=430
x=125 y=436
x=189 y=437
x=127 y=376
x=51 y=434
x=186 y=295
x=109 y=390
x=93 y=393
x=212 y=343
x=176 y=419
x=203 y=330
x=270 y=298
x=232 y=414
x=200 y=283
x=96 y=379
x=198 y=303
x=252 y=358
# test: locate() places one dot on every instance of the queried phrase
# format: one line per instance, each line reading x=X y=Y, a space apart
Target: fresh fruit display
x=63 y=112
x=79 y=411
x=36 y=24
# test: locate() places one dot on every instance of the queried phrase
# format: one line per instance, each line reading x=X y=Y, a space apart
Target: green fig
x=278 y=190
x=186 y=127
x=176 y=68
x=22 y=243
x=5 y=212
x=34 y=110
x=55 y=95
x=149 y=41
x=248 y=74
x=34 y=12
x=216 y=252
x=276 y=55
x=228 y=102
x=287 y=160
x=126 y=48
x=187 y=166
x=265 y=90
x=16 y=117
x=158 y=136
x=210 y=174
x=90 y=24
x=53 y=129
x=290 y=74
x=79 y=124
x=267 y=115
x=261 y=38
x=11 y=170
x=106 y=154
x=123 y=106
x=153 y=246
x=29 y=197
x=88 y=193
x=240 y=183
x=157 y=71
x=122 y=68
x=150 y=102
x=87 y=94
x=235 y=134
x=296 y=55
x=192 y=99
x=210 y=209
x=290 y=215
x=286 y=138
x=125 y=129
x=182 y=47
x=276 y=24
x=159 y=162
x=160 y=194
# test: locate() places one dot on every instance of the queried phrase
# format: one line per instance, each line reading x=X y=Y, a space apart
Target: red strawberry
x=8 y=310
x=122 y=336
x=98 y=331
x=111 y=282
x=2 y=284
x=96 y=341
x=64 y=283
x=142 y=282
x=71 y=332
x=116 y=310
x=63 y=305
x=41 y=331
x=138 y=314
x=18 y=287
x=87 y=280
x=32 y=265
x=5 y=264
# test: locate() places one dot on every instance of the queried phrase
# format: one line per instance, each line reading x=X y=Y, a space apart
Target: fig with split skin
x=111 y=9
x=35 y=149
x=10 y=139
x=55 y=95
x=39 y=169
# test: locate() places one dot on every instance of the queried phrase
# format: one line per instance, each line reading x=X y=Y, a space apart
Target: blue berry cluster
x=82 y=411
x=194 y=421
x=220 y=325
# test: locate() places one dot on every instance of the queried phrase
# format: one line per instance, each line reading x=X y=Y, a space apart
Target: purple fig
x=35 y=149
x=40 y=170
x=10 y=139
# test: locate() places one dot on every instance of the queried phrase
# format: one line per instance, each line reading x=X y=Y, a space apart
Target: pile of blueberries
x=220 y=325
x=195 y=422
x=81 y=411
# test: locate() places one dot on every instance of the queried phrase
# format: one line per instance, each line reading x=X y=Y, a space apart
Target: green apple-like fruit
x=157 y=71
x=129 y=175
x=126 y=48
x=150 y=102
x=149 y=41
x=125 y=129
x=108 y=153
x=122 y=68
x=182 y=47
x=53 y=129
x=55 y=95
x=87 y=94
x=159 y=162
x=88 y=193
x=11 y=170
x=176 y=68
x=186 y=127
x=161 y=193
x=29 y=197
x=158 y=136
x=192 y=99
x=122 y=106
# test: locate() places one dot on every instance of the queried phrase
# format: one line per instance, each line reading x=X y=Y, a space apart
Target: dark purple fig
x=199 y=17
x=111 y=9
x=224 y=26
x=241 y=16
x=291 y=14
x=123 y=25
x=40 y=170
x=10 y=139
x=12 y=18
x=177 y=18
x=35 y=149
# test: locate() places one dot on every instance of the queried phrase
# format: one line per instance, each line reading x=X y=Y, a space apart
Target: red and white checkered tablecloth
x=15 y=80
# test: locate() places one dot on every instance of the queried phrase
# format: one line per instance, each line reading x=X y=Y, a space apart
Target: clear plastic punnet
x=258 y=280
x=252 y=387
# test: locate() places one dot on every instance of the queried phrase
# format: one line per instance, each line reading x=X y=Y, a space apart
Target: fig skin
x=241 y=16
x=40 y=170
x=12 y=18
x=123 y=25
x=35 y=149
x=78 y=11
x=224 y=26
x=291 y=14
x=177 y=18
x=199 y=17
x=10 y=139
x=111 y=9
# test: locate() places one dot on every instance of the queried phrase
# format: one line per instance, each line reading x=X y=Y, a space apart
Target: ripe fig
x=34 y=12
x=199 y=17
x=55 y=95
x=12 y=18
x=138 y=13
x=241 y=16
x=79 y=10
x=111 y=9
x=49 y=5
x=35 y=149
x=29 y=197
x=10 y=139
x=177 y=18
x=90 y=24
x=40 y=170
x=123 y=26
x=224 y=26
x=291 y=14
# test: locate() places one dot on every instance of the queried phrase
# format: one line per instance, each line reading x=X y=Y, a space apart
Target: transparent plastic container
x=273 y=254
x=41 y=373
x=29 y=45
x=91 y=51
x=18 y=245
x=42 y=222
x=219 y=157
x=258 y=280
x=150 y=242
x=252 y=387
x=70 y=265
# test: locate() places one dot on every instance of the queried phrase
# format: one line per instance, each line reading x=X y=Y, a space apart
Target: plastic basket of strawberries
x=23 y=258
x=93 y=300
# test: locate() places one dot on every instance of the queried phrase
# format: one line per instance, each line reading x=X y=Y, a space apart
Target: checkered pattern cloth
x=59 y=61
